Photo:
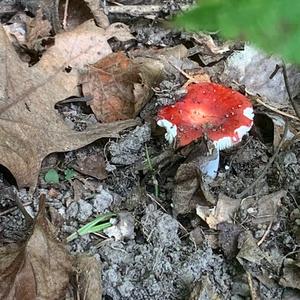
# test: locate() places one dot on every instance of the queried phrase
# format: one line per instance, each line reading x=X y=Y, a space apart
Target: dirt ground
x=163 y=249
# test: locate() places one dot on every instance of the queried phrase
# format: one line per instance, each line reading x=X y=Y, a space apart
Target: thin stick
x=251 y=286
x=21 y=207
x=14 y=208
x=138 y=10
x=277 y=110
x=153 y=199
x=268 y=165
x=265 y=234
x=65 y=14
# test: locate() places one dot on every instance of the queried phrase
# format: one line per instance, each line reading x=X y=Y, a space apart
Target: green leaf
x=52 y=176
x=273 y=25
x=69 y=174
x=100 y=223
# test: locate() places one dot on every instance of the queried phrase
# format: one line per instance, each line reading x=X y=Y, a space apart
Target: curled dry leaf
x=30 y=127
x=37 y=269
x=120 y=86
x=186 y=185
x=222 y=212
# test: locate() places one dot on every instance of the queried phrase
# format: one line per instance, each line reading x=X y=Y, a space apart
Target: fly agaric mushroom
x=221 y=114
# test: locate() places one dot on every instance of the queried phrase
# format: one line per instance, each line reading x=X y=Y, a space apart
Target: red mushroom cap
x=220 y=113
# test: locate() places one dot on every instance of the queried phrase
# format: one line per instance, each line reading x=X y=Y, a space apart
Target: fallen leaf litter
x=157 y=188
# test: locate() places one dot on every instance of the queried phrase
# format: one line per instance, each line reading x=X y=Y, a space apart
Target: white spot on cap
x=228 y=141
x=241 y=131
x=171 y=130
x=223 y=143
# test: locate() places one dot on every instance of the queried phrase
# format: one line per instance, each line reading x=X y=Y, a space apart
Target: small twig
x=65 y=15
x=180 y=225
x=113 y=2
x=7 y=211
x=268 y=165
x=21 y=207
x=138 y=10
x=265 y=234
x=251 y=286
x=272 y=108
x=286 y=82
x=154 y=200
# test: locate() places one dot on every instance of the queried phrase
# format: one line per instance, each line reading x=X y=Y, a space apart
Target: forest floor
x=177 y=235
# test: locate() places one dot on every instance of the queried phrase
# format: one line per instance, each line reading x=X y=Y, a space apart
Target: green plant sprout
x=69 y=174
x=51 y=176
x=272 y=25
x=97 y=225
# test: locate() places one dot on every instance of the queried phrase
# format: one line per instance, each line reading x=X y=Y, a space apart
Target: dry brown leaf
x=291 y=274
x=263 y=209
x=120 y=86
x=186 y=185
x=222 y=212
x=88 y=277
x=37 y=269
x=92 y=165
x=84 y=45
x=30 y=127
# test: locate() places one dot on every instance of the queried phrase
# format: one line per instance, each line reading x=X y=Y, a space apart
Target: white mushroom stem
x=211 y=165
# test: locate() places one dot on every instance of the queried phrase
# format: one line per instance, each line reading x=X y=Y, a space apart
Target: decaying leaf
x=208 y=51
x=190 y=189
x=253 y=68
x=186 y=184
x=257 y=262
x=37 y=269
x=228 y=238
x=92 y=165
x=120 y=86
x=264 y=208
x=279 y=124
x=291 y=274
x=205 y=289
x=30 y=127
x=222 y=212
x=88 y=278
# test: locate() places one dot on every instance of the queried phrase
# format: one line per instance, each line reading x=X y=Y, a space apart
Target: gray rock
x=103 y=200
x=85 y=210
x=72 y=210
x=127 y=150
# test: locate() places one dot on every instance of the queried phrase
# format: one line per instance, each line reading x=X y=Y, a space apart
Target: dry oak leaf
x=86 y=44
x=39 y=268
x=120 y=86
x=30 y=127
